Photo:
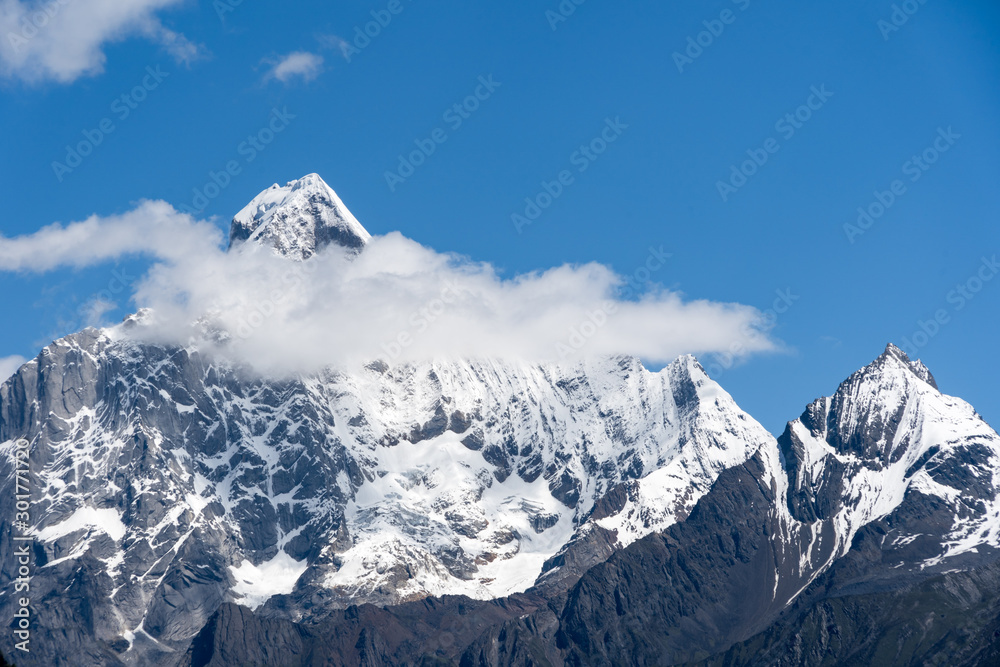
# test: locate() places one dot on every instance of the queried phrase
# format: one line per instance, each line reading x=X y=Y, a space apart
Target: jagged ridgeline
x=486 y=512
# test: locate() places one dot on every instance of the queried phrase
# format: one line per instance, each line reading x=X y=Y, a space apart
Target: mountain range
x=187 y=510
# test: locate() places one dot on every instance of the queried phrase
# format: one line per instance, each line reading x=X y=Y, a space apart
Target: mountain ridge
x=184 y=503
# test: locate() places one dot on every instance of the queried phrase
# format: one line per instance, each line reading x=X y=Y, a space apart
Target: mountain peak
x=298 y=220
x=915 y=366
x=893 y=350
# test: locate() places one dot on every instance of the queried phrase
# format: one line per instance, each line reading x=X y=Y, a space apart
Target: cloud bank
x=397 y=300
x=62 y=40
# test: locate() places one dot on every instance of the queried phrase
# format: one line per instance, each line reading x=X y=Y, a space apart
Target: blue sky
x=868 y=98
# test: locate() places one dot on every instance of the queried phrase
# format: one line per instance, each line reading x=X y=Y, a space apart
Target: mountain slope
x=951 y=618
x=895 y=487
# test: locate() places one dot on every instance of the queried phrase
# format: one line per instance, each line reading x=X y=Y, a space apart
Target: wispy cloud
x=397 y=300
x=94 y=310
x=337 y=43
x=299 y=64
x=832 y=341
x=62 y=40
x=9 y=366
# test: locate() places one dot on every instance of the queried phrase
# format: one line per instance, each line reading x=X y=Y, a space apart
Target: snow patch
x=256 y=584
x=105 y=520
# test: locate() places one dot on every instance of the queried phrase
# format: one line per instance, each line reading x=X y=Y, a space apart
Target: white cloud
x=62 y=40
x=302 y=64
x=397 y=300
x=153 y=227
x=9 y=366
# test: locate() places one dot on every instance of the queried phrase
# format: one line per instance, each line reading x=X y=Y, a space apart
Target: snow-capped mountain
x=170 y=485
x=298 y=220
x=175 y=481
x=887 y=441
x=867 y=534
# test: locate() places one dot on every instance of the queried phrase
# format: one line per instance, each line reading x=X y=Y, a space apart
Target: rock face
x=947 y=619
x=482 y=512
